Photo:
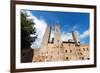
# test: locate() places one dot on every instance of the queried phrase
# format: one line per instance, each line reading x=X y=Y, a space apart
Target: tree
x=27 y=28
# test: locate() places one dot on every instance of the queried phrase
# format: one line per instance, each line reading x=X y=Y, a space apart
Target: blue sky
x=68 y=21
x=65 y=19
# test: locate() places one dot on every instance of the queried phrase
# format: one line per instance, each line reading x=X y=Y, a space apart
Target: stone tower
x=76 y=37
x=57 y=37
x=46 y=37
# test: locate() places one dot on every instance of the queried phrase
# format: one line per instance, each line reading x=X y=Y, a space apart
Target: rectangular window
x=70 y=51
x=46 y=57
x=81 y=54
x=58 y=52
x=87 y=49
x=65 y=51
x=84 y=49
x=51 y=57
x=66 y=58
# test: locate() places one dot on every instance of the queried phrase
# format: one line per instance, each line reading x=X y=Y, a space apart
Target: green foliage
x=27 y=28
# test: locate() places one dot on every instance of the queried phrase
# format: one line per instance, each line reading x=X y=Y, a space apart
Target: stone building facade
x=59 y=50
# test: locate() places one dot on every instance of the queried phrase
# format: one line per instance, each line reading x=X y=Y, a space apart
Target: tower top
x=76 y=37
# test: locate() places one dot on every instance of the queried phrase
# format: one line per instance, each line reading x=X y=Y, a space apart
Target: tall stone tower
x=46 y=37
x=76 y=37
x=57 y=39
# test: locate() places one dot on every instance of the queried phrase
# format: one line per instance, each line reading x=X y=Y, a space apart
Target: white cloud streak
x=66 y=36
x=74 y=27
x=85 y=34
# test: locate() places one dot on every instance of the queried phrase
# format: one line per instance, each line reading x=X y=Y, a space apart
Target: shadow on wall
x=27 y=55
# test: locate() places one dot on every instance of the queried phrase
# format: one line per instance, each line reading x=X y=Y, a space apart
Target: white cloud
x=84 y=34
x=83 y=42
x=74 y=27
x=40 y=26
x=66 y=36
